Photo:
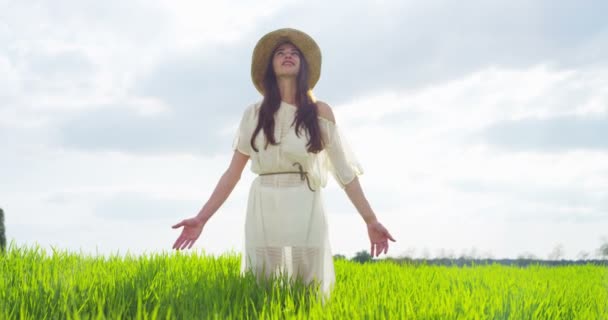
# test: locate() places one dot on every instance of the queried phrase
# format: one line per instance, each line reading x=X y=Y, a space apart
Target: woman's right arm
x=224 y=187
x=194 y=226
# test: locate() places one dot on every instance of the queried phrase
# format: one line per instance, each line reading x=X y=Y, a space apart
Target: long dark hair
x=306 y=115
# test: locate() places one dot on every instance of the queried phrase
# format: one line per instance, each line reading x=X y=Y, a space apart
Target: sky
x=482 y=126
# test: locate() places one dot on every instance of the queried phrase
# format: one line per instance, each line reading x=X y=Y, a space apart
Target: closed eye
x=296 y=53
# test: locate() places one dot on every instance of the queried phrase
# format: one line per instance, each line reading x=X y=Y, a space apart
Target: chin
x=287 y=75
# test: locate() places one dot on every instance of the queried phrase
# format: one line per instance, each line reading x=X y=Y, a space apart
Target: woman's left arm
x=356 y=196
x=346 y=175
x=378 y=235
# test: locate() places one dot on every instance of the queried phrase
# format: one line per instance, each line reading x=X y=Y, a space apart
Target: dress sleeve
x=341 y=162
x=242 y=137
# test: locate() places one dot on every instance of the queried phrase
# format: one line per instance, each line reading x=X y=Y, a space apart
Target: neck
x=287 y=88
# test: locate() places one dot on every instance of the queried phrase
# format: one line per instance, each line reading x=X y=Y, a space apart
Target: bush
x=362 y=257
x=339 y=257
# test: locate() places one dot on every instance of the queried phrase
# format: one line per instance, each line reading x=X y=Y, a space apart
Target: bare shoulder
x=325 y=111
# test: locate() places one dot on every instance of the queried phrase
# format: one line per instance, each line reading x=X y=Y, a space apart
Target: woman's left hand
x=378 y=237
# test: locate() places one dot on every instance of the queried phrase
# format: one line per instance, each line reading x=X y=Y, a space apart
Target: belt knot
x=303 y=174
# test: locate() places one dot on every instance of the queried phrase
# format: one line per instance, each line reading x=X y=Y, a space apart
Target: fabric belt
x=303 y=174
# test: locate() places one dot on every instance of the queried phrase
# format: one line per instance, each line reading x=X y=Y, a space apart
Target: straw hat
x=266 y=45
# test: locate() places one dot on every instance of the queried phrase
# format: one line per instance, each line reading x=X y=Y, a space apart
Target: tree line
x=555 y=258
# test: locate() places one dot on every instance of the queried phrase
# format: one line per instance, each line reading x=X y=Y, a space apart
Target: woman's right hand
x=192 y=230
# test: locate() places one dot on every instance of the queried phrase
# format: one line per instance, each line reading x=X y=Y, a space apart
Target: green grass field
x=36 y=284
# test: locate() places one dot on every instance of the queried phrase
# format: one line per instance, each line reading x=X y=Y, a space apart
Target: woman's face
x=286 y=61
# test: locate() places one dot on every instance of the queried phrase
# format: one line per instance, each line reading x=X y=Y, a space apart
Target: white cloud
x=424 y=165
x=83 y=55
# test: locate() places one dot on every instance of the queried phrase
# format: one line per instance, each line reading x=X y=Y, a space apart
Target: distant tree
x=464 y=255
x=2 y=230
x=339 y=257
x=583 y=255
x=450 y=254
x=362 y=257
x=526 y=256
x=557 y=253
x=472 y=254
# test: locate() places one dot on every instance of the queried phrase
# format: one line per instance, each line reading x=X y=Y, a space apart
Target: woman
x=293 y=141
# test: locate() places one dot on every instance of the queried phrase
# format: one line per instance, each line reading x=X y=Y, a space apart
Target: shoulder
x=252 y=109
x=325 y=112
x=255 y=106
x=248 y=114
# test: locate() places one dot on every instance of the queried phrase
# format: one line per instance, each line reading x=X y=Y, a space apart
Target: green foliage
x=2 y=232
x=339 y=257
x=36 y=284
x=362 y=257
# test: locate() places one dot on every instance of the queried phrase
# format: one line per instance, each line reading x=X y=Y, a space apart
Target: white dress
x=286 y=227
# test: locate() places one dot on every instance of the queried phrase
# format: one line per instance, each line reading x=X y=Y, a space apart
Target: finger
x=185 y=244
x=372 y=250
x=380 y=249
x=191 y=244
x=178 y=242
x=386 y=248
x=180 y=245
x=177 y=245
x=188 y=243
x=180 y=224
x=388 y=235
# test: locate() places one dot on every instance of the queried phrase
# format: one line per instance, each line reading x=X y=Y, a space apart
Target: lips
x=288 y=62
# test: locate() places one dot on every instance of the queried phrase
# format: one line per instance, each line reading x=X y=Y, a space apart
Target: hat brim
x=266 y=45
